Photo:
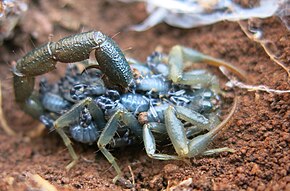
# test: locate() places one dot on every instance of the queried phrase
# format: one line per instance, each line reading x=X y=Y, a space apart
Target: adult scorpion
x=87 y=114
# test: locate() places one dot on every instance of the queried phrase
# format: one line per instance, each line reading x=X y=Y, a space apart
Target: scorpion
x=146 y=103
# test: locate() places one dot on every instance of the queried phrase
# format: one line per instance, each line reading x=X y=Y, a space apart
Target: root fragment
x=257 y=37
x=234 y=82
x=183 y=185
x=42 y=183
x=3 y=121
x=36 y=132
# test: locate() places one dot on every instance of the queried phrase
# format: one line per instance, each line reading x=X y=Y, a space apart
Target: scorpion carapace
x=162 y=102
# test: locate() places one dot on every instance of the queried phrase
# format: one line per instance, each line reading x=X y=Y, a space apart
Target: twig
x=234 y=82
x=36 y=132
x=42 y=183
x=3 y=121
x=185 y=183
x=133 y=177
x=264 y=43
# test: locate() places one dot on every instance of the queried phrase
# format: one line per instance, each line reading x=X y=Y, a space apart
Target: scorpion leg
x=158 y=129
x=204 y=80
x=66 y=120
x=179 y=54
x=214 y=121
x=192 y=131
x=176 y=132
x=109 y=132
x=149 y=140
x=199 y=144
x=104 y=139
x=191 y=116
x=97 y=115
x=184 y=147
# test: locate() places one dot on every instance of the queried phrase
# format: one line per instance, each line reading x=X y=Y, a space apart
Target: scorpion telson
x=165 y=103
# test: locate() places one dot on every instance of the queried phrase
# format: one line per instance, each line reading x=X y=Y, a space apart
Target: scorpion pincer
x=67 y=50
x=159 y=107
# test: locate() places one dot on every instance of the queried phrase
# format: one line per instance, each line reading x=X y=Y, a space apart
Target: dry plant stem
x=185 y=183
x=37 y=132
x=236 y=83
x=257 y=88
x=132 y=175
x=263 y=43
x=3 y=121
x=43 y=184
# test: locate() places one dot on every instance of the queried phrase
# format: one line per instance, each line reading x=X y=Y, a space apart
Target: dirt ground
x=259 y=131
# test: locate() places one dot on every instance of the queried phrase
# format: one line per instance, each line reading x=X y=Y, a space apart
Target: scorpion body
x=50 y=98
x=75 y=86
x=157 y=84
x=86 y=130
x=54 y=102
x=88 y=134
x=156 y=63
x=141 y=68
x=82 y=90
x=82 y=105
x=154 y=114
x=134 y=102
x=203 y=100
x=106 y=103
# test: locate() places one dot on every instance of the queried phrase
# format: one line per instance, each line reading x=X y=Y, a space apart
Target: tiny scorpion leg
x=179 y=54
x=110 y=130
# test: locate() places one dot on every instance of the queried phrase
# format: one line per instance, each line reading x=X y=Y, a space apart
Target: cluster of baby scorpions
x=118 y=101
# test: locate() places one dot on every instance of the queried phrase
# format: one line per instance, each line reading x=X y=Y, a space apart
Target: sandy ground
x=259 y=131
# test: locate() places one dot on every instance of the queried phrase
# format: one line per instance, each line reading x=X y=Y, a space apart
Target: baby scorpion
x=101 y=117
